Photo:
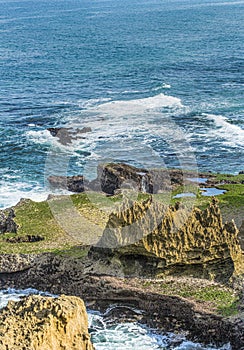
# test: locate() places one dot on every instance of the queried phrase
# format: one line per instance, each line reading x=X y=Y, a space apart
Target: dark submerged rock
x=67 y=135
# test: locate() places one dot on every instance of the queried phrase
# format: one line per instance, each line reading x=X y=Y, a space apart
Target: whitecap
x=163 y=86
x=11 y=192
x=137 y=106
x=233 y=135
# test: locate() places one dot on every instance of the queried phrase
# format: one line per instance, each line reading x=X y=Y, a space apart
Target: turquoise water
x=159 y=82
x=117 y=336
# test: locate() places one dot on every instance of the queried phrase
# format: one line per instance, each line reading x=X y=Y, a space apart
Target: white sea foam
x=11 y=192
x=232 y=135
x=92 y=102
x=163 y=86
x=125 y=131
x=132 y=336
x=137 y=106
x=122 y=130
x=15 y=294
x=39 y=136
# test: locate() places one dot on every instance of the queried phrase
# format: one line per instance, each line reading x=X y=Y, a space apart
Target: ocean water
x=159 y=82
x=129 y=336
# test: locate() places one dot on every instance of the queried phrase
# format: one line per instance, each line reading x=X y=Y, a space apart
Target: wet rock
x=38 y=323
x=116 y=175
x=67 y=135
x=113 y=178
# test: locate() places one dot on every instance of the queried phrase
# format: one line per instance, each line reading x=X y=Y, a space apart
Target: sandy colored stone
x=45 y=323
x=177 y=238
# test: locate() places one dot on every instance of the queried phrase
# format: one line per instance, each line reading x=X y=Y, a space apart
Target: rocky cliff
x=45 y=323
x=150 y=236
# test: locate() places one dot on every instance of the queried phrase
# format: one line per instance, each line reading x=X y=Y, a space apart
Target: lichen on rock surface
x=175 y=239
x=45 y=323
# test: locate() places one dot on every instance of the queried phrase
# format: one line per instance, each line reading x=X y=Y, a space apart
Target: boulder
x=45 y=323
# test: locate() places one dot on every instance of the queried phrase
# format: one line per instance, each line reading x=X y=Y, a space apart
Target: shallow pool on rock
x=117 y=336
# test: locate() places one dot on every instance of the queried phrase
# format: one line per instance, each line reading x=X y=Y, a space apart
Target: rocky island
x=126 y=238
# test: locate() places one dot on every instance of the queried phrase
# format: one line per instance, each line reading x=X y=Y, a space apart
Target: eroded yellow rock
x=177 y=237
x=45 y=323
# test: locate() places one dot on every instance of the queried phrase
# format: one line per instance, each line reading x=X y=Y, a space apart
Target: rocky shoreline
x=141 y=251
x=172 y=313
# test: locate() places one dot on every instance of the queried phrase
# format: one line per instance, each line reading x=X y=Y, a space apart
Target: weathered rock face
x=151 y=237
x=113 y=176
x=118 y=175
x=242 y=235
x=7 y=223
x=45 y=323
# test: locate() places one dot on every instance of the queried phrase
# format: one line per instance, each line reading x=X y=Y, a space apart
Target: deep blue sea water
x=160 y=83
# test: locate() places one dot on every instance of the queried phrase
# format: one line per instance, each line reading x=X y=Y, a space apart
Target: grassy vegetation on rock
x=213 y=296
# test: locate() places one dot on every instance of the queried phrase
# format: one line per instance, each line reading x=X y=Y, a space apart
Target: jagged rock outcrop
x=7 y=223
x=45 y=323
x=150 y=236
x=114 y=176
x=117 y=176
